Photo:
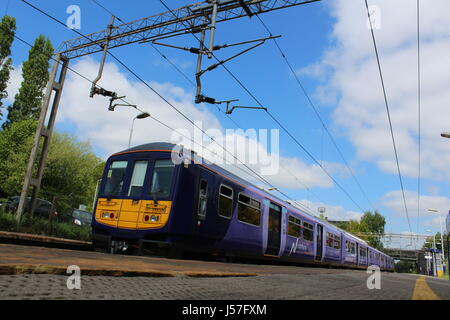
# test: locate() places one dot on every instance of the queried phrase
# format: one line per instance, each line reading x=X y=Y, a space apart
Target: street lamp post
x=139 y=116
x=442 y=236
x=434 y=253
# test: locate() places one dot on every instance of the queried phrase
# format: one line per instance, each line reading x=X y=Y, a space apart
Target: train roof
x=166 y=146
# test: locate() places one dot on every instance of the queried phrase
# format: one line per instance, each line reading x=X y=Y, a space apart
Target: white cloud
x=394 y=201
x=109 y=131
x=333 y=213
x=354 y=83
x=15 y=79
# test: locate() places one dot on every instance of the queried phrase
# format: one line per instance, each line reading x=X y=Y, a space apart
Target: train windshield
x=116 y=174
x=162 y=178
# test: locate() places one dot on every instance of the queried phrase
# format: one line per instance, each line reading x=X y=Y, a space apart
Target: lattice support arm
x=188 y=18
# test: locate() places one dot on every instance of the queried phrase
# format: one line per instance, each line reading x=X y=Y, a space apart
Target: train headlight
x=154 y=218
x=107 y=215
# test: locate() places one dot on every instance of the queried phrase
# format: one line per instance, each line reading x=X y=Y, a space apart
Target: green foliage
x=375 y=223
x=428 y=244
x=15 y=146
x=39 y=226
x=406 y=267
x=27 y=103
x=71 y=173
x=369 y=223
x=7 y=32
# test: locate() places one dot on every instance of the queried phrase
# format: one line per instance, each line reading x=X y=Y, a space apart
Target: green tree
x=15 y=146
x=7 y=33
x=71 y=173
x=429 y=242
x=369 y=223
x=70 y=176
x=375 y=223
x=27 y=103
x=406 y=267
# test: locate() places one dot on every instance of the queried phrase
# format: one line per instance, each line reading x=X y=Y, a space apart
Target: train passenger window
x=225 y=202
x=350 y=247
x=294 y=227
x=337 y=242
x=308 y=231
x=115 y=177
x=162 y=178
x=138 y=178
x=202 y=198
x=362 y=252
x=330 y=239
x=249 y=210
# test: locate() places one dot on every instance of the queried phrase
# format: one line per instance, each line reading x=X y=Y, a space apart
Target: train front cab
x=135 y=198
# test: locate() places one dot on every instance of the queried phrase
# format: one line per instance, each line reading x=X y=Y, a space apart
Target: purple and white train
x=153 y=196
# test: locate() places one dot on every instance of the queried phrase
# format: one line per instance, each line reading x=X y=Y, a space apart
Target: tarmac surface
x=38 y=273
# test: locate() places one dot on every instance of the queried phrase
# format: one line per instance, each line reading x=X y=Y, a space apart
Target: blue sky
x=329 y=46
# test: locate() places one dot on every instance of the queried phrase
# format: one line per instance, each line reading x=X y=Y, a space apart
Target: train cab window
x=202 y=198
x=162 y=178
x=308 y=231
x=225 y=202
x=294 y=227
x=337 y=242
x=138 y=178
x=249 y=210
x=115 y=177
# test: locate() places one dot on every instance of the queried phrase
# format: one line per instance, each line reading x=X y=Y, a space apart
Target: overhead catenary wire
x=325 y=127
x=165 y=57
x=133 y=106
x=277 y=121
x=167 y=101
x=388 y=114
x=232 y=120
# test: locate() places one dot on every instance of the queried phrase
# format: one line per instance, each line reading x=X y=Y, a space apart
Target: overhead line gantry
x=193 y=18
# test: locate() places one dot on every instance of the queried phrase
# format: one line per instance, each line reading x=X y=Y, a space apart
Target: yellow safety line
x=422 y=290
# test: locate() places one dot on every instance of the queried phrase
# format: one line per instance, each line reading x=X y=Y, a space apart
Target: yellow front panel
x=149 y=209
x=131 y=205
x=127 y=224
x=107 y=208
x=133 y=214
x=128 y=216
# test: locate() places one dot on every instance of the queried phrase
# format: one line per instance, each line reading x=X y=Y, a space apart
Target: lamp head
x=143 y=115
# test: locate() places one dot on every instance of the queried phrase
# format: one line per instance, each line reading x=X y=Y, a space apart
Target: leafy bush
x=39 y=226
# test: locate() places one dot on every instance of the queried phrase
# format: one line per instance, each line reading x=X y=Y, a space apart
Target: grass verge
x=39 y=226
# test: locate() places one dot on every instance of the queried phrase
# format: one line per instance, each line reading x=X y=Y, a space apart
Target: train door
x=274 y=230
x=357 y=254
x=319 y=242
x=205 y=202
